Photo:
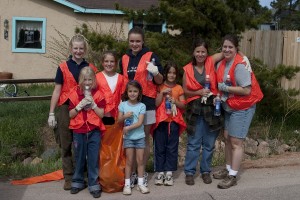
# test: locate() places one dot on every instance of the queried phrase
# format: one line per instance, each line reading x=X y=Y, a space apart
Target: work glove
x=84 y=102
x=51 y=121
x=92 y=104
x=248 y=65
x=174 y=109
x=204 y=98
x=223 y=87
x=152 y=68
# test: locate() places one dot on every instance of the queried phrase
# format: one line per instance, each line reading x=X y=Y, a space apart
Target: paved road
x=257 y=183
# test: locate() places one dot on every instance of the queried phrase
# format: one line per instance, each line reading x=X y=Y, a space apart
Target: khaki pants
x=66 y=138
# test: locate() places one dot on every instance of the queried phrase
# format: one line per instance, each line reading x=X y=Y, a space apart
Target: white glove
x=248 y=65
x=174 y=109
x=152 y=68
x=204 y=98
x=223 y=87
x=84 y=102
x=92 y=104
x=51 y=121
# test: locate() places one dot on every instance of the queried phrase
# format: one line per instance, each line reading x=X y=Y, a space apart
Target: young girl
x=112 y=85
x=131 y=113
x=86 y=110
x=169 y=125
x=67 y=78
x=112 y=164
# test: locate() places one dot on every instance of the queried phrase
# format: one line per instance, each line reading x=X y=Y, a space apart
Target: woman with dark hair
x=240 y=92
x=142 y=65
x=200 y=88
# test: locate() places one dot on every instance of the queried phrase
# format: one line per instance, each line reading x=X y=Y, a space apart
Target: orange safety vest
x=238 y=102
x=149 y=88
x=112 y=99
x=92 y=117
x=161 y=116
x=193 y=84
x=69 y=82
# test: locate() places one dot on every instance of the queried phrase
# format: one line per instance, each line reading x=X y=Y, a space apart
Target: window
x=153 y=27
x=28 y=35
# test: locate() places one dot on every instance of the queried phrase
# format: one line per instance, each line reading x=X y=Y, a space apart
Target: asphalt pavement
x=280 y=182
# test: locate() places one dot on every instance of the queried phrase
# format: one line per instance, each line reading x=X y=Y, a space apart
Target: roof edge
x=80 y=9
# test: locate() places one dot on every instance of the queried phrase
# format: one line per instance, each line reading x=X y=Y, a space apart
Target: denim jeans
x=166 y=146
x=201 y=138
x=86 y=147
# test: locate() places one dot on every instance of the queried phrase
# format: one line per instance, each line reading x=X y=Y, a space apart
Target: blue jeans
x=202 y=137
x=86 y=147
x=166 y=146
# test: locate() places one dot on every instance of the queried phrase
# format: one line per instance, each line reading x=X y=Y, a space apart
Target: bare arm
x=180 y=102
x=239 y=90
x=217 y=57
x=158 y=79
x=192 y=93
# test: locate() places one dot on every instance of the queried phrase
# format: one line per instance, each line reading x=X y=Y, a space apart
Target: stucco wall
x=62 y=18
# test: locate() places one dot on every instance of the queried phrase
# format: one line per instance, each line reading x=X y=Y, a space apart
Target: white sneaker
x=143 y=189
x=133 y=179
x=127 y=190
x=146 y=179
x=169 y=180
x=159 y=179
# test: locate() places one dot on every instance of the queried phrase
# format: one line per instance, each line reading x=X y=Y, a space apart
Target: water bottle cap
x=86 y=87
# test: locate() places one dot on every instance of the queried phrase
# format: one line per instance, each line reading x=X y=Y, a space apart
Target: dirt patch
x=48 y=138
x=285 y=159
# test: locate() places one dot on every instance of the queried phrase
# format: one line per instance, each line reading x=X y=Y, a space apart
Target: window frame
x=14 y=35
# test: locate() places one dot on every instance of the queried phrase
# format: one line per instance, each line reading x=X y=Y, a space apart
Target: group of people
x=145 y=100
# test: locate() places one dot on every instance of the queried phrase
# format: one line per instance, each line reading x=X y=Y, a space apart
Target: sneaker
x=133 y=179
x=75 y=190
x=143 y=189
x=206 y=178
x=67 y=185
x=159 y=179
x=96 y=193
x=169 y=180
x=221 y=174
x=146 y=179
x=227 y=182
x=127 y=190
x=189 y=179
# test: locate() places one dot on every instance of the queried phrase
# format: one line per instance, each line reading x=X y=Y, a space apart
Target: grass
x=20 y=133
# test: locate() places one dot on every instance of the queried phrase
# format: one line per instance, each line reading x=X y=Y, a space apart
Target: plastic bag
x=112 y=159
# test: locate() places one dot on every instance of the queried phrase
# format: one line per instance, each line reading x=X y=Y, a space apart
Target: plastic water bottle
x=149 y=75
x=168 y=105
x=87 y=91
x=128 y=121
x=217 y=111
x=207 y=82
x=228 y=81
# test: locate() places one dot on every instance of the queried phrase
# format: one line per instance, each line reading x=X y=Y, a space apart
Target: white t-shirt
x=112 y=81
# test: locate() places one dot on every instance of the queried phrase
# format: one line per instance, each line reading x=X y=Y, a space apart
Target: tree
x=287 y=14
x=208 y=18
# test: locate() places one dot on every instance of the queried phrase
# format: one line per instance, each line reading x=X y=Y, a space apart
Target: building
x=27 y=26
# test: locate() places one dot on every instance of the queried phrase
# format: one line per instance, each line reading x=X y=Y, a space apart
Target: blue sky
x=265 y=3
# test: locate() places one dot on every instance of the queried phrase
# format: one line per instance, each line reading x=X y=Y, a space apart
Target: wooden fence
x=273 y=48
x=25 y=98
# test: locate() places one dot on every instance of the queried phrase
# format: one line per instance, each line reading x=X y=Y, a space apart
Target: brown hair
x=136 y=84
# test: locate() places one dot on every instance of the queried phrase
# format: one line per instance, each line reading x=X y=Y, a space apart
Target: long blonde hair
x=87 y=72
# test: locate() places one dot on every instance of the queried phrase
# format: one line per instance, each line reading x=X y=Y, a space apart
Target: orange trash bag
x=112 y=159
